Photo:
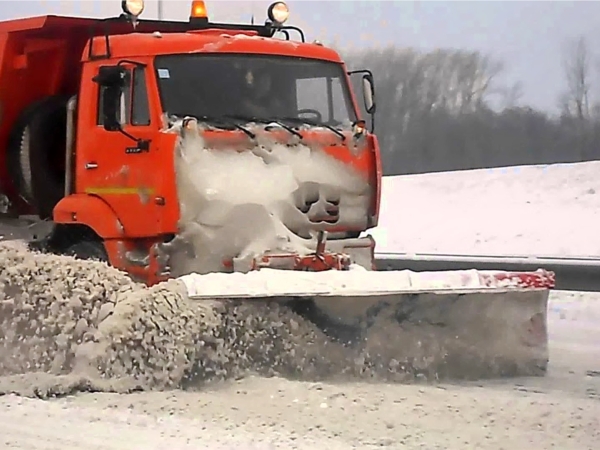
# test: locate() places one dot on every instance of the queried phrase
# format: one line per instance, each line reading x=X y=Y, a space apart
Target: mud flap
x=438 y=325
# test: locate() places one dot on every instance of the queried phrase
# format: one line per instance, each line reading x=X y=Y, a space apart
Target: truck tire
x=88 y=250
x=36 y=154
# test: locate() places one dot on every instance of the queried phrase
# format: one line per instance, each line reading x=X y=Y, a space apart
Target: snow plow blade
x=435 y=325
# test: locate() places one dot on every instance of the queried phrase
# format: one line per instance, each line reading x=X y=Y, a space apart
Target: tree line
x=447 y=110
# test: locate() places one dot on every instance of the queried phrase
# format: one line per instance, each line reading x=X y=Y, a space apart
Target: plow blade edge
x=439 y=325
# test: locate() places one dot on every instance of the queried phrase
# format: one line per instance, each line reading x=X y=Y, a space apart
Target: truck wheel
x=91 y=250
x=36 y=154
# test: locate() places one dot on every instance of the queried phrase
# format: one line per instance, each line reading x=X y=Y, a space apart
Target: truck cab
x=93 y=145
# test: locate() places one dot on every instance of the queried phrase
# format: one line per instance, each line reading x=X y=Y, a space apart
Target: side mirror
x=368 y=88
x=112 y=81
x=369 y=93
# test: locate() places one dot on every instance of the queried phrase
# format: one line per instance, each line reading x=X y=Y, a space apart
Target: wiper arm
x=266 y=121
x=314 y=123
x=223 y=121
x=282 y=125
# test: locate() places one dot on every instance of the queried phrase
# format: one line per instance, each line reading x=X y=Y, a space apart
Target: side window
x=311 y=93
x=140 y=109
x=317 y=93
x=125 y=106
x=340 y=105
x=135 y=109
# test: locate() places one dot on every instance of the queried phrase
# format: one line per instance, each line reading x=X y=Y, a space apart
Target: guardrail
x=572 y=274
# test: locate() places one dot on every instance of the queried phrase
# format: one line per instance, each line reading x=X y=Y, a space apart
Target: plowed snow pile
x=90 y=327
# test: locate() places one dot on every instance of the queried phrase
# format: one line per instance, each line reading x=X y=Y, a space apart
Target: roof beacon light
x=133 y=8
x=198 y=10
x=278 y=13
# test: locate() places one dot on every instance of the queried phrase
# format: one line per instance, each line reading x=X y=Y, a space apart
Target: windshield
x=254 y=86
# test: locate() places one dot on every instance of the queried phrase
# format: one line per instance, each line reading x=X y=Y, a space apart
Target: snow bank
x=530 y=210
x=90 y=327
x=242 y=204
x=68 y=325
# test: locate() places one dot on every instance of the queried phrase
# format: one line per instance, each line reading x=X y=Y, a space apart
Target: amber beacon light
x=198 y=10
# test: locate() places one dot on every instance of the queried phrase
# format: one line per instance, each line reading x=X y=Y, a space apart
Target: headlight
x=278 y=12
x=133 y=7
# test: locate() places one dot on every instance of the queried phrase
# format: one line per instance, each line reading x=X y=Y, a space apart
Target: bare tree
x=510 y=95
x=575 y=101
x=449 y=109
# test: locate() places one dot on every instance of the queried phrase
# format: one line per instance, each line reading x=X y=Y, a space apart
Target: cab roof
x=209 y=41
x=175 y=37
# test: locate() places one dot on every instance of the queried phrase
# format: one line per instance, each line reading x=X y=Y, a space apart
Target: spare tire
x=36 y=154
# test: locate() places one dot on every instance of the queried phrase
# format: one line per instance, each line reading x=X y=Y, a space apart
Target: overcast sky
x=528 y=36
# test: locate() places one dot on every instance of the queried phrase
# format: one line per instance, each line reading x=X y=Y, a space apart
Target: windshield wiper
x=265 y=121
x=222 y=120
x=314 y=123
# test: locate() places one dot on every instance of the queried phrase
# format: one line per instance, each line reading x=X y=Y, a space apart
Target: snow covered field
x=530 y=210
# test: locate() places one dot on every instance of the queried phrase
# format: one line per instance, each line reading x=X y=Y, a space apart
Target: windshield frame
x=344 y=92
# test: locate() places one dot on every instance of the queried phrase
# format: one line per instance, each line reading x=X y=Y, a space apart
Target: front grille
x=320 y=210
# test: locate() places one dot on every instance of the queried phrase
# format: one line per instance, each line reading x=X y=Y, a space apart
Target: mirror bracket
x=368 y=83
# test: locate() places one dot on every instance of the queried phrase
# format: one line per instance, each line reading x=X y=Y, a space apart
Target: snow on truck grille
x=269 y=199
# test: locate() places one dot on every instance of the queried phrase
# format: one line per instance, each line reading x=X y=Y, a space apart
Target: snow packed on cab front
x=532 y=210
x=239 y=205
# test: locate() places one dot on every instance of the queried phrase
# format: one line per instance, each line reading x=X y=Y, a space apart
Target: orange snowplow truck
x=172 y=150
x=85 y=106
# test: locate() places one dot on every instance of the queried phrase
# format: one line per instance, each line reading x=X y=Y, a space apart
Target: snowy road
x=561 y=410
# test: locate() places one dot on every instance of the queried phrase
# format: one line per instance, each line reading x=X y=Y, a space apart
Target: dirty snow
x=561 y=410
x=68 y=325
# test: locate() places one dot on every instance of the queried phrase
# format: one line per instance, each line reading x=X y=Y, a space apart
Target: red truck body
x=96 y=192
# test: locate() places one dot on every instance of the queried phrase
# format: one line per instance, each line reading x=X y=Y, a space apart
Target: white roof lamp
x=133 y=8
x=278 y=13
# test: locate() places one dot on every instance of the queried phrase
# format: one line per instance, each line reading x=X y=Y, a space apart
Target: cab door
x=122 y=167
